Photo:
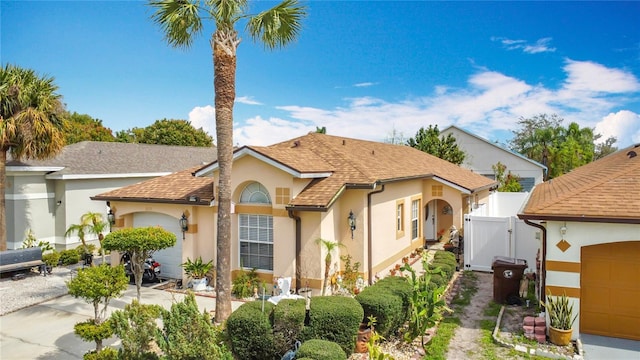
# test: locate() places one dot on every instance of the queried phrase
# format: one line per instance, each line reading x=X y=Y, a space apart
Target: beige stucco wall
x=579 y=235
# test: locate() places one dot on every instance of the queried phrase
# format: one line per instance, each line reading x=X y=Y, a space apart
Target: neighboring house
x=482 y=154
x=288 y=195
x=591 y=242
x=47 y=196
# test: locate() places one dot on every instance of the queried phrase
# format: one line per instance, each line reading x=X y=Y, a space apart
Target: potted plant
x=561 y=319
x=198 y=270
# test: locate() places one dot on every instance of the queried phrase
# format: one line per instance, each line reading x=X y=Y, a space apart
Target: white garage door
x=170 y=258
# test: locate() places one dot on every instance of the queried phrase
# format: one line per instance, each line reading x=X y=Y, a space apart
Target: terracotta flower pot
x=364 y=333
x=560 y=337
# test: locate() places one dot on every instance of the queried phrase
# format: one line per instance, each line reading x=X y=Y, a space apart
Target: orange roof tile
x=606 y=190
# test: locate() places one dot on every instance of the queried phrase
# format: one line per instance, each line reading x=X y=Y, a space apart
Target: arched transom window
x=255 y=193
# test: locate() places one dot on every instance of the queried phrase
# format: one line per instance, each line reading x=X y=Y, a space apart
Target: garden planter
x=364 y=334
x=560 y=337
x=199 y=284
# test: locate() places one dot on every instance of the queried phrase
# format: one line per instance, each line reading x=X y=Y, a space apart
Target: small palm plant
x=329 y=246
x=560 y=312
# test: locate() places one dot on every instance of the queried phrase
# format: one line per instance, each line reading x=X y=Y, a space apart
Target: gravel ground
x=33 y=289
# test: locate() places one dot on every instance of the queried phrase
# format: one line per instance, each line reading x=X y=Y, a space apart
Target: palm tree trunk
x=3 y=219
x=224 y=63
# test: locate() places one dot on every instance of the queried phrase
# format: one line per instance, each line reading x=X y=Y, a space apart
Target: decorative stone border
x=532 y=350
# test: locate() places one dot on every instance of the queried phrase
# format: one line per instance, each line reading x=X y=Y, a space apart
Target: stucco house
x=377 y=199
x=47 y=196
x=482 y=154
x=591 y=242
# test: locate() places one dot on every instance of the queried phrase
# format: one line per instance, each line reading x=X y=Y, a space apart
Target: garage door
x=170 y=258
x=610 y=290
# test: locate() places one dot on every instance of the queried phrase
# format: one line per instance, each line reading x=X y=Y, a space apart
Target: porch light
x=563 y=231
x=111 y=217
x=352 y=222
x=184 y=224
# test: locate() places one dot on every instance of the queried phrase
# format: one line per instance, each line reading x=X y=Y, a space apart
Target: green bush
x=249 y=332
x=321 y=350
x=104 y=354
x=385 y=306
x=242 y=286
x=51 y=259
x=399 y=286
x=69 y=257
x=446 y=267
x=334 y=318
x=444 y=255
x=288 y=322
x=91 y=248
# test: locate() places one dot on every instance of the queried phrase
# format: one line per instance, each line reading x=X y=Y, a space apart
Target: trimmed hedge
x=334 y=318
x=444 y=255
x=388 y=301
x=288 y=322
x=321 y=350
x=250 y=333
x=69 y=257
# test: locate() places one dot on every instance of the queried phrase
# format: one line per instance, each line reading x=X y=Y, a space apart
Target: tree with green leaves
x=31 y=125
x=507 y=182
x=97 y=285
x=430 y=141
x=181 y=22
x=82 y=127
x=95 y=224
x=329 y=247
x=321 y=130
x=137 y=329
x=140 y=243
x=167 y=132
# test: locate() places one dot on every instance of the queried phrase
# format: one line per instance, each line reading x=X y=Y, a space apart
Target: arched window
x=255 y=193
x=255 y=231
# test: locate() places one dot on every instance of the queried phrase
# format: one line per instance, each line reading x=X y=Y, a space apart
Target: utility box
x=507 y=274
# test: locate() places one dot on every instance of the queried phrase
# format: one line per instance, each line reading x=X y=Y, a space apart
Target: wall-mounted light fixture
x=59 y=202
x=447 y=210
x=111 y=217
x=184 y=224
x=352 y=222
x=563 y=231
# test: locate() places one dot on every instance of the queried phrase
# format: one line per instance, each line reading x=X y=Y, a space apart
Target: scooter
x=151 y=268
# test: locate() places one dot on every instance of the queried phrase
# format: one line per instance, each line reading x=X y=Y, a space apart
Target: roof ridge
x=344 y=158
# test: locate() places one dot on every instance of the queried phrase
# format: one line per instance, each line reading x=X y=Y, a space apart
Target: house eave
x=151 y=200
x=43 y=169
x=103 y=176
x=576 y=218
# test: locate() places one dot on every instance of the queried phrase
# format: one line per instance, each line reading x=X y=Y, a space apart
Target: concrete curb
x=532 y=350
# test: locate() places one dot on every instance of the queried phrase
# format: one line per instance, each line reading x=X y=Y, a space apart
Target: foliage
x=84 y=250
x=197 y=269
x=329 y=246
x=334 y=318
x=107 y=353
x=506 y=182
x=98 y=285
x=69 y=257
x=560 y=312
x=136 y=327
x=350 y=273
x=51 y=259
x=188 y=334
x=543 y=138
x=381 y=303
x=375 y=352
x=31 y=126
x=426 y=304
x=82 y=127
x=318 y=349
x=140 y=243
x=288 y=322
x=180 y=22
x=321 y=130
x=243 y=285
x=30 y=241
x=93 y=330
x=167 y=132
x=95 y=224
x=250 y=332
x=429 y=141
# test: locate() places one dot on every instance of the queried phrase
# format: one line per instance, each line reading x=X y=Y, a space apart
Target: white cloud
x=587 y=76
x=261 y=132
x=540 y=46
x=364 y=84
x=205 y=118
x=623 y=125
x=247 y=100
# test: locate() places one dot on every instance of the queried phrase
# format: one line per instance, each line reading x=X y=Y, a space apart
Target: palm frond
x=179 y=20
x=279 y=25
x=226 y=12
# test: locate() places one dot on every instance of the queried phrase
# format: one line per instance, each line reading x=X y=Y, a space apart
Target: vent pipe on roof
x=631 y=154
x=296 y=143
x=344 y=142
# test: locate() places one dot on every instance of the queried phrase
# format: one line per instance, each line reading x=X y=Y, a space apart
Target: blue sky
x=362 y=69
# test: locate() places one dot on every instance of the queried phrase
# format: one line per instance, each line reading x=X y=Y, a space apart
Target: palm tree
x=95 y=225
x=30 y=123
x=329 y=247
x=181 y=21
x=81 y=230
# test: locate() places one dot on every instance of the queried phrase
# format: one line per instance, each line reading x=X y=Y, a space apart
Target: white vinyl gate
x=486 y=237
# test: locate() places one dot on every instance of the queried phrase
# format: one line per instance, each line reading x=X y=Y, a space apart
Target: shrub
x=104 y=354
x=242 y=286
x=250 y=333
x=136 y=327
x=385 y=306
x=321 y=350
x=334 y=318
x=444 y=255
x=91 y=248
x=51 y=259
x=288 y=322
x=446 y=267
x=69 y=257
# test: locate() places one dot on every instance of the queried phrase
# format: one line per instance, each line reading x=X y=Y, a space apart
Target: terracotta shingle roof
x=103 y=158
x=177 y=187
x=605 y=190
x=360 y=162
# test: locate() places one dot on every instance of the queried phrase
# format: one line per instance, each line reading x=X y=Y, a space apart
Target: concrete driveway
x=45 y=331
x=601 y=347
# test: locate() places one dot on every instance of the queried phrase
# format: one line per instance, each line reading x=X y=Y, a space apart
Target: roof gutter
x=583 y=218
x=154 y=201
x=298 y=248
x=369 y=237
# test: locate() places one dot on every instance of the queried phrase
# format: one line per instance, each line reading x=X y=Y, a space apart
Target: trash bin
x=507 y=274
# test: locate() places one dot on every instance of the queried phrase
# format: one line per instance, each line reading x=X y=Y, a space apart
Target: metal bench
x=20 y=259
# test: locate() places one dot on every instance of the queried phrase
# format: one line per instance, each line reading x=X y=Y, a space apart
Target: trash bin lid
x=504 y=260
